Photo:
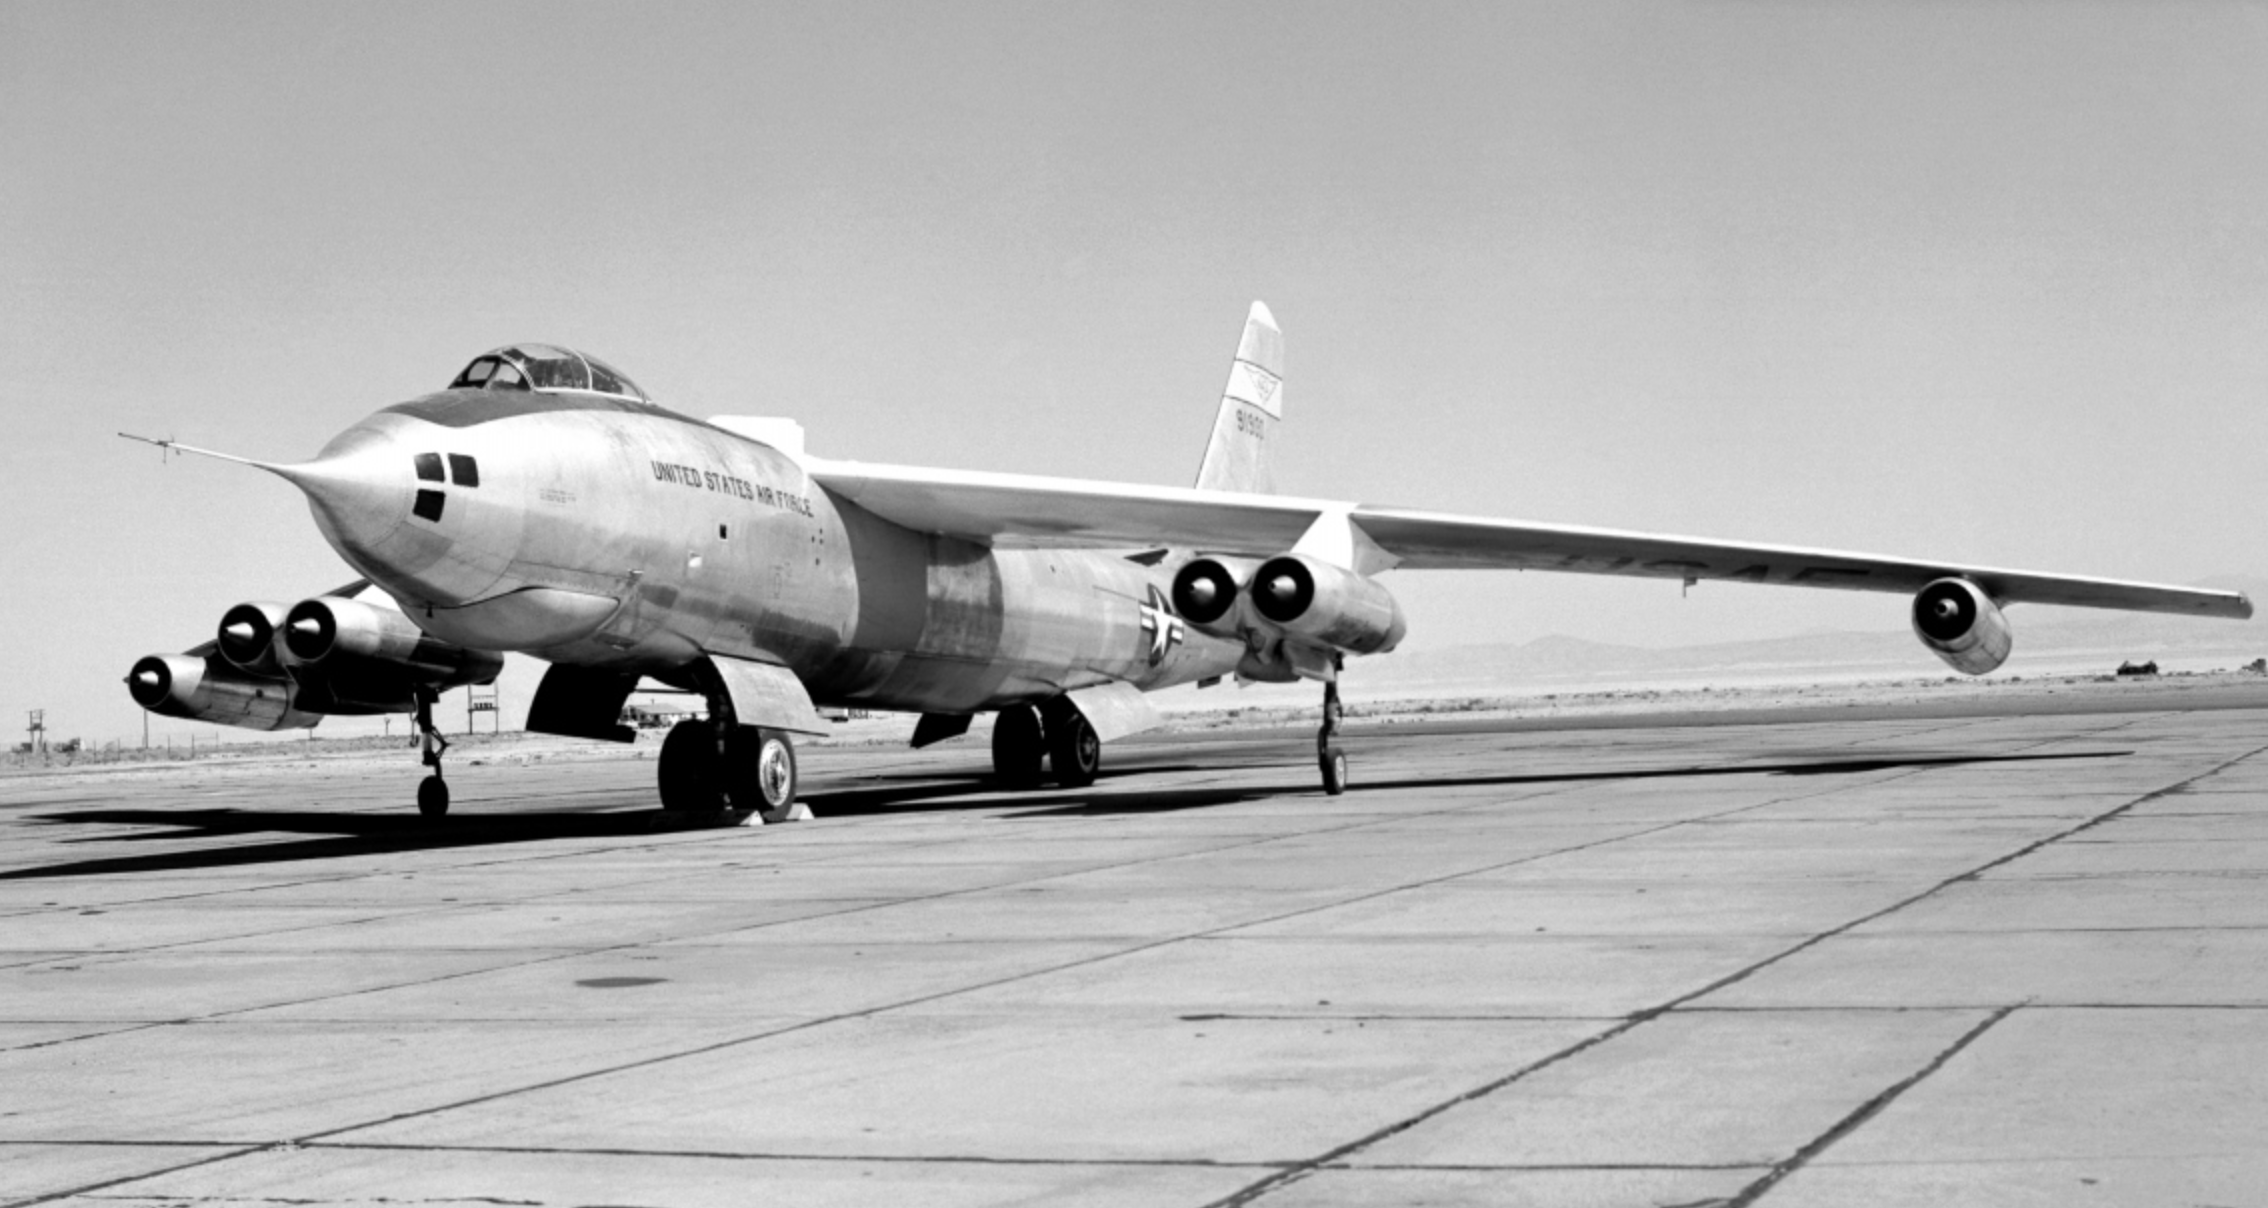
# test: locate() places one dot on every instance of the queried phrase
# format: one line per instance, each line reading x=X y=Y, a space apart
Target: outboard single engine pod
x=1326 y=605
x=1962 y=625
x=207 y=688
x=1204 y=592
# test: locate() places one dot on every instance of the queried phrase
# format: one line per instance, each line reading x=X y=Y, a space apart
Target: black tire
x=1018 y=747
x=688 y=773
x=433 y=797
x=1074 y=754
x=1334 y=764
x=760 y=770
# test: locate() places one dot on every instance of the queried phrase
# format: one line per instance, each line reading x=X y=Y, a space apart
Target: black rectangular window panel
x=464 y=470
x=428 y=505
x=428 y=467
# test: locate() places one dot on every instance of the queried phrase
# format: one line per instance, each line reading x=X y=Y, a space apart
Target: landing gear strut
x=432 y=792
x=1332 y=760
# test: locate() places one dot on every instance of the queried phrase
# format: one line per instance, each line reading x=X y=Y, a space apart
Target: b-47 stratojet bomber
x=543 y=503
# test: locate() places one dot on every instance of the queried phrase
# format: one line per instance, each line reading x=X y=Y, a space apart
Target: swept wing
x=1029 y=510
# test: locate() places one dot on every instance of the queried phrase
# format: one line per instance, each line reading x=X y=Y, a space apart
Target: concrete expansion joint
x=742 y=1155
x=1541 y=1167
x=1337 y=1156
x=1865 y=1111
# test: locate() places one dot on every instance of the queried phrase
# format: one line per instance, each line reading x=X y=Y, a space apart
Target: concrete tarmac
x=1837 y=959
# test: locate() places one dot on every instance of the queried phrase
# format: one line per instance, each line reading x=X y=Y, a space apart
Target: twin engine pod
x=351 y=657
x=1962 y=625
x=1300 y=596
x=276 y=667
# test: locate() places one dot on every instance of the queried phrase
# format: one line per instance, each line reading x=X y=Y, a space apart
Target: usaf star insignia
x=1163 y=627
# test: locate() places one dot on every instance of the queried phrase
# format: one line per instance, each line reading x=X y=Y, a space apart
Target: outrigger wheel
x=1328 y=756
x=432 y=792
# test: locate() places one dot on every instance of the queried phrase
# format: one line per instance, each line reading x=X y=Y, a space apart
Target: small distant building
x=657 y=717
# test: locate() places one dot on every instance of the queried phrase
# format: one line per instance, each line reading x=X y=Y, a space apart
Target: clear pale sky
x=1981 y=281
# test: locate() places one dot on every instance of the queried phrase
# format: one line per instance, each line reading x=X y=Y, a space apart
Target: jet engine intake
x=208 y=688
x=1960 y=623
x=248 y=636
x=1326 y=605
x=1205 y=592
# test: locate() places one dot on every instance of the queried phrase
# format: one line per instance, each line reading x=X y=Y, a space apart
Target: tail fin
x=1251 y=406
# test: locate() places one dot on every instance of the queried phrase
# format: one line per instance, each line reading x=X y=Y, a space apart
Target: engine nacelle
x=351 y=657
x=1206 y=591
x=1962 y=625
x=208 y=688
x=1325 y=605
x=247 y=636
x=327 y=632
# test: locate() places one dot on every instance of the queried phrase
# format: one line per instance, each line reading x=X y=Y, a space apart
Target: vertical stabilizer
x=1251 y=406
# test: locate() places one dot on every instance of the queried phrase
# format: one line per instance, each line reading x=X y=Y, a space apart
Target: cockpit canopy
x=546 y=368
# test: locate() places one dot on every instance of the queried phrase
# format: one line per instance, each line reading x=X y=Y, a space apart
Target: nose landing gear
x=432 y=792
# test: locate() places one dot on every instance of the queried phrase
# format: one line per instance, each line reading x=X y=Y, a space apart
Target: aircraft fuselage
x=613 y=535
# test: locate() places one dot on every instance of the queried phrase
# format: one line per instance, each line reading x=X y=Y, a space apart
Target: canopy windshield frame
x=549 y=369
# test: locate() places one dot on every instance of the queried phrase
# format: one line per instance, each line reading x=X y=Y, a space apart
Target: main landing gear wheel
x=688 y=773
x=1018 y=747
x=759 y=771
x=1074 y=754
x=1334 y=763
x=433 y=796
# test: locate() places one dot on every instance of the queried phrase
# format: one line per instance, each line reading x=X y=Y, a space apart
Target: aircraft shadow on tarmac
x=340 y=835
x=1185 y=799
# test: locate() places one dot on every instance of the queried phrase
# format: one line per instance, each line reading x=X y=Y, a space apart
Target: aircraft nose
x=358 y=488
x=405 y=514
